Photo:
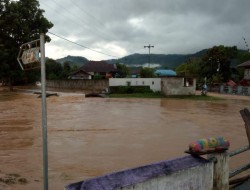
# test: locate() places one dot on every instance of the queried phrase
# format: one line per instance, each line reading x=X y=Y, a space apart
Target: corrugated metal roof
x=165 y=72
x=245 y=64
x=98 y=66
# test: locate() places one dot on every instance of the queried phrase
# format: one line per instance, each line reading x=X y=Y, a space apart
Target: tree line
x=218 y=65
x=22 y=21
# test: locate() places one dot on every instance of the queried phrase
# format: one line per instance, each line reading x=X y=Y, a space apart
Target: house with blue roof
x=165 y=72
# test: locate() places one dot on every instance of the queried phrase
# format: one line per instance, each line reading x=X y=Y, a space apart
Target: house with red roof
x=95 y=69
x=246 y=80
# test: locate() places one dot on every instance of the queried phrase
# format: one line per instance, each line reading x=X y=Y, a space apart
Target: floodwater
x=88 y=137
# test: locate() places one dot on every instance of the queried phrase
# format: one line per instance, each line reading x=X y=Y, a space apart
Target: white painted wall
x=154 y=83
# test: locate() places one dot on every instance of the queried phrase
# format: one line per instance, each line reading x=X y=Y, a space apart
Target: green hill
x=74 y=60
x=168 y=61
x=165 y=61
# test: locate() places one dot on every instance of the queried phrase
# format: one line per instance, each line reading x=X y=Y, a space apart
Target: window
x=153 y=82
x=188 y=82
x=128 y=83
x=142 y=82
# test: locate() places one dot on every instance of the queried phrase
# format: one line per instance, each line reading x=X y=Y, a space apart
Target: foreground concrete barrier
x=179 y=174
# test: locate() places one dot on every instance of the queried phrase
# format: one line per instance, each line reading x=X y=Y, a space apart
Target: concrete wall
x=200 y=177
x=185 y=173
x=154 y=83
x=176 y=86
x=168 y=85
x=92 y=85
x=240 y=90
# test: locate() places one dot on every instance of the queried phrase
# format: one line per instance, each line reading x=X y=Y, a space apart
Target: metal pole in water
x=44 y=113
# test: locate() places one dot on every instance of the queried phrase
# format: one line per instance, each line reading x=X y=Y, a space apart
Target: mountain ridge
x=163 y=60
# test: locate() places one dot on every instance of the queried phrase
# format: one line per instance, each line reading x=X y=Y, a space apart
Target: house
x=80 y=74
x=92 y=69
x=135 y=72
x=246 y=80
x=153 y=83
x=172 y=85
x=165 y=72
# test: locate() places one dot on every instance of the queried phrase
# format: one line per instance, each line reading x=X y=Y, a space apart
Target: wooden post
x=221 y=171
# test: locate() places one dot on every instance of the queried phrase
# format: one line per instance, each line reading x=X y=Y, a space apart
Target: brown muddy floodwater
x=88 y=137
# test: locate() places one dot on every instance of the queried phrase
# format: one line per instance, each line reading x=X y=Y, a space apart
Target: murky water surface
x=88 y=137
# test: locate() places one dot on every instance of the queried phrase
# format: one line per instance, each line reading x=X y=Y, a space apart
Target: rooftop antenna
x=246 y=43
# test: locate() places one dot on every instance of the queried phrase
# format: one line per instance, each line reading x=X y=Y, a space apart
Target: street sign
x=28 y=57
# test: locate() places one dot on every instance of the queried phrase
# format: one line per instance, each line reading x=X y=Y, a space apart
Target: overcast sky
x=122 y=27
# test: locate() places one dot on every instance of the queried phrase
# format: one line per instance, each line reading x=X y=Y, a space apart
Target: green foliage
x=20 y=22
x=130 y=89
x=123 y=70
x=74 y=68
x=138 y=95
x=66 y=70
x=191 y=68
x=97 y=77
x=147 y=73
x=195 y=97
x=54 y=70
x=216 y=63
x=243 y=56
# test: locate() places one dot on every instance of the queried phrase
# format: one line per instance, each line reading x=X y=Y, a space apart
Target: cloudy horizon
x=121 y=28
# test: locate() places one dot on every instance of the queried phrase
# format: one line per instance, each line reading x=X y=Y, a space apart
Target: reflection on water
x=90 y=137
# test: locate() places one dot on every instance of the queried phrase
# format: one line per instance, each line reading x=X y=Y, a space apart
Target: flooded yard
x=88 y=137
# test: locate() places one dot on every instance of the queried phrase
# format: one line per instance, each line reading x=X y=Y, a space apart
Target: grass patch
x=138 y=95
x=159 y=95
x=195 y=97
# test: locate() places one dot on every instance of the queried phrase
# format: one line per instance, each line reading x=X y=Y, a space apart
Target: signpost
x=28 y=58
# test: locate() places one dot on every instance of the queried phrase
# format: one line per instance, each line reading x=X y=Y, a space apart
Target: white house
x=153 y=83
x=166 y=85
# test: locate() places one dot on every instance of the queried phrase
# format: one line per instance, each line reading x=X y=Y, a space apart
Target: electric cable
x=82 y=45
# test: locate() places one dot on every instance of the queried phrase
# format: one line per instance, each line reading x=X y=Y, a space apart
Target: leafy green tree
x=191 y=68
x=66 y=70
x=74 y=68
x=217 y=62
x=123 y=70
x=243 y=56
x=54 y=70
x=147 y=73
x=20 y=22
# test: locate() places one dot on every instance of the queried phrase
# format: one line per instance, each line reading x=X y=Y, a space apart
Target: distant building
x=92 y=69
x=246 y=80
x=171 y=85
x=153 y=83
x=135 y=73
x=165 y=72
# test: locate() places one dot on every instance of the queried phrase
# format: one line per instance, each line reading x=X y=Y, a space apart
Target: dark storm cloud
x=172 y=26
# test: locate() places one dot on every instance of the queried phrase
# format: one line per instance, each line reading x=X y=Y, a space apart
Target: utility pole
x=149 y=46
x=44 y=112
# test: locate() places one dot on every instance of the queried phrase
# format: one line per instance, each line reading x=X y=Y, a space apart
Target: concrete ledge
x=131 y=177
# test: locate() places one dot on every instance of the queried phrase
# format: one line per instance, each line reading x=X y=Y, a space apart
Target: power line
x=76 y=19
x=82 y=45
x=87 y=13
